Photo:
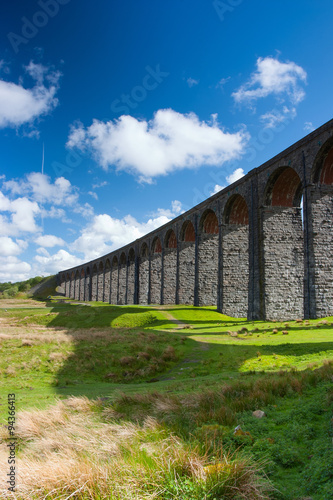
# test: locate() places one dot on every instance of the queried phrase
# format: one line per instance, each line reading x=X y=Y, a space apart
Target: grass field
x=146 y=402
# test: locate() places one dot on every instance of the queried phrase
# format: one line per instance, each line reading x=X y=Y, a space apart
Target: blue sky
x=143 y=109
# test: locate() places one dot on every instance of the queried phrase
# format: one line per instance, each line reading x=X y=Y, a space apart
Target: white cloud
x=237 y=174
x=105 y=233
x=22 y=216
x=19 y=105
x=12 y=269
x=222 y=82
x=10 y=247
x=273 y=77
x=170 y=141
x=308 y=127
x=217 y=189
x=51 y=264
x=85 y=210
x=273 y=118
x=49 y=241
x=93 y=194
x=191 y=82
x=40 y=187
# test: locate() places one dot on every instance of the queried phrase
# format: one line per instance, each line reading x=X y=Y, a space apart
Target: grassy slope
x=63 y=349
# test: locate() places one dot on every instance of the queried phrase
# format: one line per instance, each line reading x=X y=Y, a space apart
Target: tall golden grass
x=67 y=451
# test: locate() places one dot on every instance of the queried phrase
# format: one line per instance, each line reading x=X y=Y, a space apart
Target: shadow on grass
x=114 y=346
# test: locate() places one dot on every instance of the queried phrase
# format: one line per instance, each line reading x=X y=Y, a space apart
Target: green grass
x=199 y=382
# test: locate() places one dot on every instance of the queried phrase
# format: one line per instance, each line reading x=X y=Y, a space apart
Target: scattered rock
x=284 y=332
x=153 y=380
x=259 y=414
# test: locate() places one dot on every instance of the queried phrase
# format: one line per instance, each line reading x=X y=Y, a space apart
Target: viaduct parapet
x=250 y=250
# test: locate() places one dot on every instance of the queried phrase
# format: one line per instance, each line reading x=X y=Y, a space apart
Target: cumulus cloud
x=49 y=241
x=308 y=127
x=12 y=269
x=19 y=105
x=236 y=174
x=170 y=141
x=40 y=187
x=52 y=264
x=20 y=218
x=105 y=233
x=273 y=77
x=10 y=247
x=217 y=189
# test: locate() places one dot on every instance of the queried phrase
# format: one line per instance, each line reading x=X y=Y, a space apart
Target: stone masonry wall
x=143 y=280
x=283 y=262
x=322 y=217
x=186 y=272
x=100 y=285
x=122 y=284
x=235 y=277
x=87 y=288
x=107 y=285
x=114 y=285
x=155 y=278
x=208 y=269
x=94 y=281
x=77 y=288
x=82 y=283
x=131 y=283
x=170 y=275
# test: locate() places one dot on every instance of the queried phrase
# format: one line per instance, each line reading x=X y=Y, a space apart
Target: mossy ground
x=199 y=381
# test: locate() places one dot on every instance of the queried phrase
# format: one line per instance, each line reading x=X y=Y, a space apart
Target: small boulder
x=259 y=414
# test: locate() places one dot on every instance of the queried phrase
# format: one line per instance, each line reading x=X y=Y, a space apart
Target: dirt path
x=189 y=360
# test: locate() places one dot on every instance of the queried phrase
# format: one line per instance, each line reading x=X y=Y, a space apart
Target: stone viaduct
x=250 y=250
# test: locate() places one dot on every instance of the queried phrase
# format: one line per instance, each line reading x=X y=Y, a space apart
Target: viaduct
x=250 y=250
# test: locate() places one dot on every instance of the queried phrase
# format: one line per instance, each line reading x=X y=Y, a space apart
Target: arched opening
x=88 y=285
x=77 y=286
x=107 y=281
x=94 y=283
x=114 y=280
x=187 y=263
x=208 y=258
x=283 y=247
x=122 y=279
x=131 y=277
x=82 y=283
x=144 y=274
x=156 y=271
x=320 y=233
x=100 y=285
x=170 y=268
x=235 y=256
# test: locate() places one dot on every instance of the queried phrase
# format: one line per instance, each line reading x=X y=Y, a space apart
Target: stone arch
x=122 y=279
x=320 y=201
x=208 y=258
x=235 y=257
x=68 y=285
x=77 y=285
x=322 y=170
x=82 y=284
x=107 y=281
x=100 y=282
x=187 y=263
x=144 y=274
x=114 y=280
x=156 y=271
x=131 y=277
x=88 y=285
x=283 y=189
x=94 y=282
x=283 y=245
x=170 y=268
